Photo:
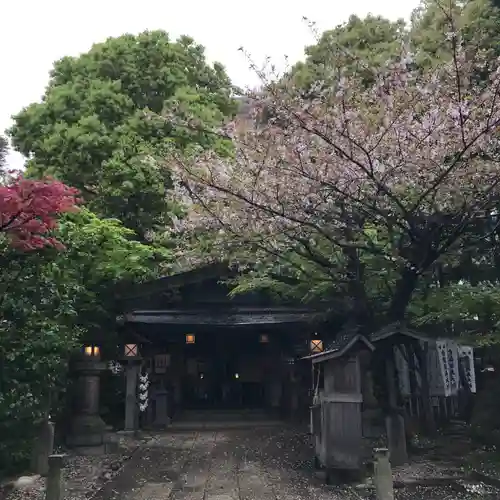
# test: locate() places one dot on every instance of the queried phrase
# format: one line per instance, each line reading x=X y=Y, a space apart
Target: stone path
x=258 y=464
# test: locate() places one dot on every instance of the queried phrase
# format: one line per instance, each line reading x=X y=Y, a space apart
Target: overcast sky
x=35 y=33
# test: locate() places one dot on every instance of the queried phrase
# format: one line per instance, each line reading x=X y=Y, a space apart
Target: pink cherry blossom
x=414 y=157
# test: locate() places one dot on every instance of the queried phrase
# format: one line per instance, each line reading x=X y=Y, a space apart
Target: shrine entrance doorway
x=226 y=370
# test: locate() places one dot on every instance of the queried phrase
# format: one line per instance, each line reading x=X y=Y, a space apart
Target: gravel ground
x=83 y=476
x=264 y=464
x=470 y=492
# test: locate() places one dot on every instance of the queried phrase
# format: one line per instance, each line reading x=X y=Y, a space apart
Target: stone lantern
x=87 y=429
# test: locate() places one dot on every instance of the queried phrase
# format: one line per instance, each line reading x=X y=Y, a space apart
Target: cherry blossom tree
x=29 y=210
x=357 y=187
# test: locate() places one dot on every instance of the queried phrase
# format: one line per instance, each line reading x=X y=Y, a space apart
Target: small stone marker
x=44 y=446
x=54 y=478
x=382 y=476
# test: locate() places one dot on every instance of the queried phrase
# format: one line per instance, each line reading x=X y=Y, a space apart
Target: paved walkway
x=259 y=464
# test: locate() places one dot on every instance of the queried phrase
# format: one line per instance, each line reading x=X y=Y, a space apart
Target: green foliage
x=107 y=113
x=100 y=253
x=477 y=21
x=365 y=45
x=49 y=302
x=360 y=44
x=38 y=330
x=461 y=308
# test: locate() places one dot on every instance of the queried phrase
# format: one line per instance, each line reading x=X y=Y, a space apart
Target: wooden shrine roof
x=350 y=336
x=343 y=345
x=222 y=317
x=397 y=329
x=201 y=298
x=179 y=279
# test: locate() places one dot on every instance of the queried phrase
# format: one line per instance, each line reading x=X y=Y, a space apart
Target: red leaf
x=30 y=209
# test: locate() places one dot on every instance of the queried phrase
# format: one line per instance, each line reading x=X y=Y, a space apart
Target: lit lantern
x=264 y=338
x=91 y=350
x=236 y=375
x=131 y=350
x=316 y=346
x=190 y=338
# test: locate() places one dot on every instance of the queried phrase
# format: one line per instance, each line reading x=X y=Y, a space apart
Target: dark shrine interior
x=220 y=367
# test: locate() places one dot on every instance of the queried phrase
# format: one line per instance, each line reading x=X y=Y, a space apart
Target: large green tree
x=107 y=113
x=477 y=21
x=366 y=44
x=359 y=44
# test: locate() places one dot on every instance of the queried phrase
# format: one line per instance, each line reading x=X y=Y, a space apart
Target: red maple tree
x=29 y=210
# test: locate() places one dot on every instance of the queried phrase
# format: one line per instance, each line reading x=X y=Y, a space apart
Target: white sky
x=35 y=33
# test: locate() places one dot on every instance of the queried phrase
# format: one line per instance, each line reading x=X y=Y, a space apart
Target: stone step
x=224 y=415
x=222 y=425
x=224 y=419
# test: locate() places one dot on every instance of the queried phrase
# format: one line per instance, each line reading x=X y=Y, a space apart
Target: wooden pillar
x=294 y=392
x=430 y=423
x=131 y=401
x=395 y=424
x=178 y=373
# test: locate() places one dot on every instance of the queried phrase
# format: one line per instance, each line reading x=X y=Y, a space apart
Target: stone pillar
x=382 y=475
x=43 y=448
x=87 y=428
x=131 y=399
x=54 y=487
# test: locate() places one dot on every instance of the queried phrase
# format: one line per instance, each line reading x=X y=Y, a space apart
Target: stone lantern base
x=86 y=430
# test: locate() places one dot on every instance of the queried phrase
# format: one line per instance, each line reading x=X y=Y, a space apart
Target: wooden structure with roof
x=204 y=350
x=337 y=409
x=370 y=382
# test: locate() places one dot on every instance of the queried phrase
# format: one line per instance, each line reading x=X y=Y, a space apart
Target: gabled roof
x=183 y=278
x=397 y=329
x=344 y=345
x=233 y=316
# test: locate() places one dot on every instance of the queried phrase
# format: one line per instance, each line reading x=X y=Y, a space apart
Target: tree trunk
x=362 y=312
x=405 y=286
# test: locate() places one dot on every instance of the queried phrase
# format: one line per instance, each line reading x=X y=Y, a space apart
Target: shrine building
x=203 y=350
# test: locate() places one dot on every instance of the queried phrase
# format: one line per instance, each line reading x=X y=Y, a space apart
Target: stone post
x=44 y=446
x=382 y=475
x=87 y=428
x=53 y=490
